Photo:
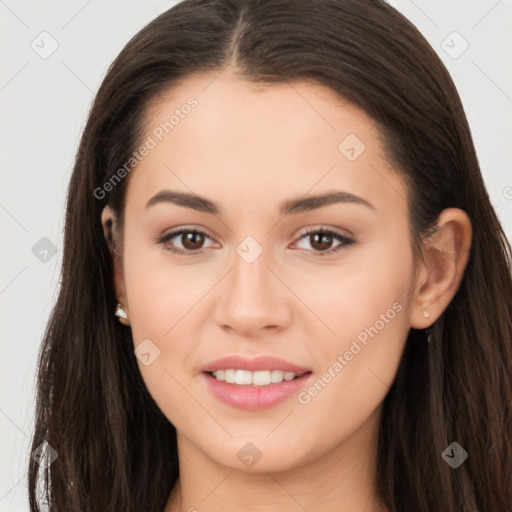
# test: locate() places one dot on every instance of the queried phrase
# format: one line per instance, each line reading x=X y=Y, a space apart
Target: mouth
x=254 y=391
x=254 y=384
x=261 y=378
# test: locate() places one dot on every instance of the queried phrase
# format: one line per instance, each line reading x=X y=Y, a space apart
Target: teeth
x=260 y=378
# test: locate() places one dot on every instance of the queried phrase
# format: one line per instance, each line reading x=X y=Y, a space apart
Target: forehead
x=280 y=139
x=280 y=113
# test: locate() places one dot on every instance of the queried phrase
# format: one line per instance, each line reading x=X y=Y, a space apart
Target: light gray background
x=44 y=104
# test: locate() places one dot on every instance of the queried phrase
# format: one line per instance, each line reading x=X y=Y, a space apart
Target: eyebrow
x=295 y=205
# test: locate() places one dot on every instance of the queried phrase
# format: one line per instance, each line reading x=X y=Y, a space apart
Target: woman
x=334 y=332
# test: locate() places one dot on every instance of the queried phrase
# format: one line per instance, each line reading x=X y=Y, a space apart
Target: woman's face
x=256 y=284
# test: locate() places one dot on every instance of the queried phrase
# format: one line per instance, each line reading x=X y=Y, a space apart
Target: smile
x=258 y=378
x=255 y=397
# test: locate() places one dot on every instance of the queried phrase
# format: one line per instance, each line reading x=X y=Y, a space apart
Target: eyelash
x=346 y=241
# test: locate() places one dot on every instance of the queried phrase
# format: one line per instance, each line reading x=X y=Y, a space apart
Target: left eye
x=322 y=238
x=319 y=239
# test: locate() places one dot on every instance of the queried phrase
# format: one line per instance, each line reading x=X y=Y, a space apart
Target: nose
x=253 y=298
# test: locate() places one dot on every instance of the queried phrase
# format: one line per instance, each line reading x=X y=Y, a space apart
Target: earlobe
x=445 y=256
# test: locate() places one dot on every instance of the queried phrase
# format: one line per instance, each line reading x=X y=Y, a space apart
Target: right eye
x=191 y=243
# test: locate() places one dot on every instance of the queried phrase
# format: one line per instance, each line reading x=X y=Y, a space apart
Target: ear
x=445 y=256
x=108 y=221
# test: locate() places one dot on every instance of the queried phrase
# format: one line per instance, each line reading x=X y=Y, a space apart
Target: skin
x=250 y=147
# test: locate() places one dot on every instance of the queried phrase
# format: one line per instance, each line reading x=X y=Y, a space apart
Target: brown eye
x=321 y=241
x=191 y=241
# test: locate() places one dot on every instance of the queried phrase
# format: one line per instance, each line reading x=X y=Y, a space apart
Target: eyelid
x=326 y=229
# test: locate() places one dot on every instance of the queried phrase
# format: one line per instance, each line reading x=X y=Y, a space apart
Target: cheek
x=159 y=296
x=370 y=286
x=165 y=299
x=159 y=291
x=366 y=306
x=368 y=309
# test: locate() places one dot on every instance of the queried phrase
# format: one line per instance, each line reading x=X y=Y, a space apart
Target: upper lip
x=237 y=362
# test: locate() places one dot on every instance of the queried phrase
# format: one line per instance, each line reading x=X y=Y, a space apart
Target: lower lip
x=255 y=398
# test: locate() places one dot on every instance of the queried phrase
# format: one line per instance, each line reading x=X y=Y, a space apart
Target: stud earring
x=427 y=332
x=121 y=315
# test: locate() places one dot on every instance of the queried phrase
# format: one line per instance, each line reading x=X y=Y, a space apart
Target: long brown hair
x=116 y=450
